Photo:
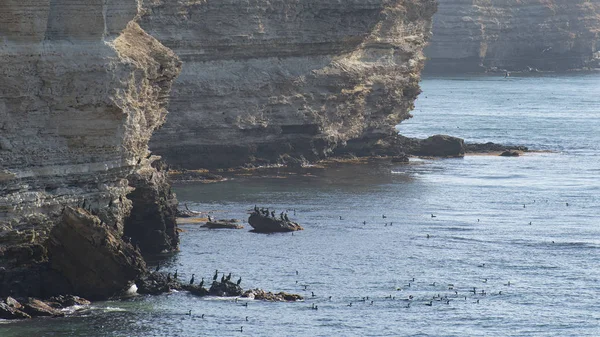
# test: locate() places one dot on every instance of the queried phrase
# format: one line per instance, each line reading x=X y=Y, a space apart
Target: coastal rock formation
x=266 y=78
x=480 y=35
x=83 y=89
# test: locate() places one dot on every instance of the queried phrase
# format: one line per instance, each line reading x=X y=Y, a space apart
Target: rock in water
x=265 y=224
x=441 y=146
x=226 y=288
x=35 y=307
x=96 y=263
x=259 y=294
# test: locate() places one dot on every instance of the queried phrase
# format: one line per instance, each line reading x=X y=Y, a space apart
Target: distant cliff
x=478 y=35
x=262 y=79
x=83 y=88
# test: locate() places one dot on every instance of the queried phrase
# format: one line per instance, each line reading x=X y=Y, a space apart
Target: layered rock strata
x=83 y=89
x=480 y=35
x=266 y=78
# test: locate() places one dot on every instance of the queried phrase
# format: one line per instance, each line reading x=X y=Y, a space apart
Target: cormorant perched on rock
x=169 y=277
x=149 y=155
x=223 y=278
x=228 y=277
x=273 y=214
x=216 y=275
x=239 y=281
x=267 y=212
x=209 y=218
x=192 y=280
x=286 y=217
x=201 y=283
x=281 y=215
x=175 y=275
x=83 y=206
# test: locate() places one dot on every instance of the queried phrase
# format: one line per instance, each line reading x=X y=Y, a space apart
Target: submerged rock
x=259 y=294
x=266 y=224
x=492 y=147
x=510 y=154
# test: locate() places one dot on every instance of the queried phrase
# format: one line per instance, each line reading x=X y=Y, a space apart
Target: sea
x=476 y=246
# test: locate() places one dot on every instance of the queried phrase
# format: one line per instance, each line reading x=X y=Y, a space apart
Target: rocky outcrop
x=83 y=89
x=480 y=35
x=259 y=294
x=266 y=78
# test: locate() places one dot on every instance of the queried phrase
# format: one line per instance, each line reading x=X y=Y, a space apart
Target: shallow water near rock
x=539 y=279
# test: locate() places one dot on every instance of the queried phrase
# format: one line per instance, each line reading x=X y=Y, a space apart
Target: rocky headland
x=268 y=82
x=514 y=35
x=83 y=89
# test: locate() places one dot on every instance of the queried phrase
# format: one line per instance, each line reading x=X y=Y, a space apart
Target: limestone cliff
x=265 y=78
x=83 y=88
x=478 y=35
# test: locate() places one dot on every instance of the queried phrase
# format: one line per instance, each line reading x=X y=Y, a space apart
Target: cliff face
x=475 y=35
x=265 y=78
x=83 y=89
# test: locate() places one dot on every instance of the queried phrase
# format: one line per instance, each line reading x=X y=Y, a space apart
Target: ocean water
x=525 y=231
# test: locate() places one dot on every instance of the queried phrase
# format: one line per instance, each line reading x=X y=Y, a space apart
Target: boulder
x=9 y=312
x=64 y=301
x=94 y=260
x=259 y=294
x=441 y=146
x=157 y=283
x=35 y=307
x=226 y=288
x=13 y=303
x=266 y=224
x=195 y=289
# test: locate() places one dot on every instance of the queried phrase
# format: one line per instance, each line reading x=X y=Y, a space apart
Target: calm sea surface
x=501 y=226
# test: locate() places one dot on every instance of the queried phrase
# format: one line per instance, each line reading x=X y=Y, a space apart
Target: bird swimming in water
x=383 y=216
x=192 y=279
x=340 y=217
x=433 y=216
x=189 y=313
x=364 y=222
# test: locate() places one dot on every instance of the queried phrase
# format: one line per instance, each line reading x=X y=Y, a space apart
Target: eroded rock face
x=83 y=89
x=479 y=35
x=96 y=262
x=266 y=78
